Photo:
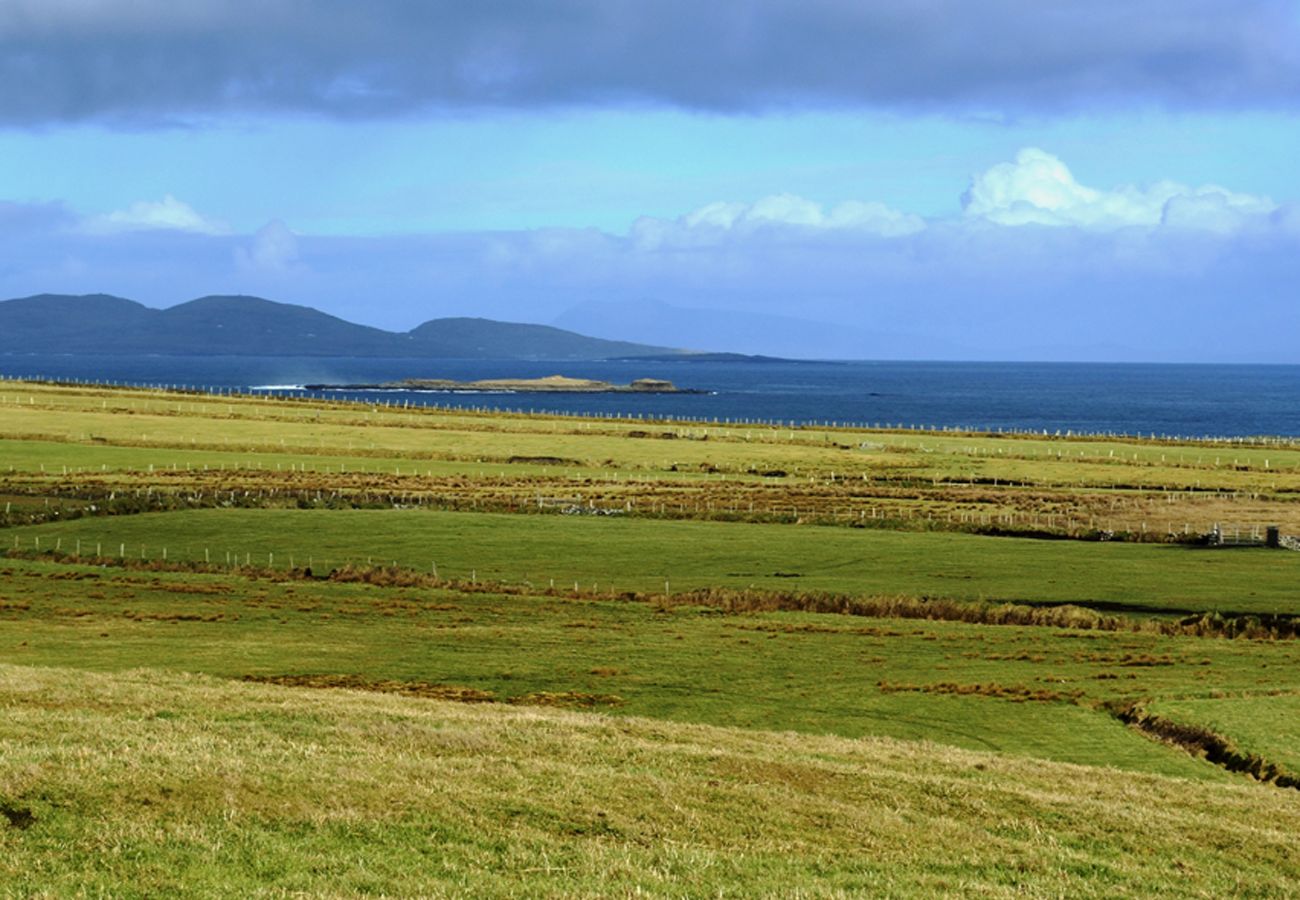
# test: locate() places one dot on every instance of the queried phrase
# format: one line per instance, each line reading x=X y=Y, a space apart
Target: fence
x=1269 y=537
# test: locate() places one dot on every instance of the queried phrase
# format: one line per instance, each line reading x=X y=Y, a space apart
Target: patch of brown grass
x=566 y=699
x=1015 y=692
x=428 y=690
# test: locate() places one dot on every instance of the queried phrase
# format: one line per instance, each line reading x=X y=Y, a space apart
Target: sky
x=1059 y=180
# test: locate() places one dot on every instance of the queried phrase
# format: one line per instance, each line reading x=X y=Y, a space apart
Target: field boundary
x=733 y=601
x=1206 y=744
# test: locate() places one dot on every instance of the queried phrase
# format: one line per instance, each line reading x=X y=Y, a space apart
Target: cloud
x=33 y=218
x=1286 y=219
x=1036 y=188
x=1035 y=266
x=1214 y=209
x=1039 y=189
x=1003 y=292
x=167 y=214
x=788 y=209
x=155 y=61
x=721 y=222
x=274 y=248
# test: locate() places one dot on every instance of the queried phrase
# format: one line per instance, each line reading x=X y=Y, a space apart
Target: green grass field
x=575 y=705
x=148 y=784
x=83 y=439
x=1264 y=721
x=963 y=685
x=640 y=555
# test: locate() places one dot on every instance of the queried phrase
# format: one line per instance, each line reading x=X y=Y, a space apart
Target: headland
x=551 y=384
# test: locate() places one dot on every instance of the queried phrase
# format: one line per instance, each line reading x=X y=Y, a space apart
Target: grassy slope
x=787 y=671
x=147 y=784
x=230 y=805
x=1261 y=722
x=639 y=554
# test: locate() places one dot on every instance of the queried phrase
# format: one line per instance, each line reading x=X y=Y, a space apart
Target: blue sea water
x=1161 y=399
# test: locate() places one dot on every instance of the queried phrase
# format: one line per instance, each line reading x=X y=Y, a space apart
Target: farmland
x=925 y=657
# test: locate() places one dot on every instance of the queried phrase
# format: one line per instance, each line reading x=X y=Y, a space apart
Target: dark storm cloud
x=156 y=60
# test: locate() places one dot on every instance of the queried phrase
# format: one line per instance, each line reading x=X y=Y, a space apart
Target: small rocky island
x=551 y=384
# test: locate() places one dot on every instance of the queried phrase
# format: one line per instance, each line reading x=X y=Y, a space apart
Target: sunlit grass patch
x=146 y=782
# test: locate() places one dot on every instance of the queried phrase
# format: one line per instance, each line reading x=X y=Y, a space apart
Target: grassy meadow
x=548 y=655
x=1022 y=690
x=147 y=783
x=613 y=553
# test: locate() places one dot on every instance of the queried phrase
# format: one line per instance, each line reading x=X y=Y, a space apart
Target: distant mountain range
x=251 y=326
x=747 y=332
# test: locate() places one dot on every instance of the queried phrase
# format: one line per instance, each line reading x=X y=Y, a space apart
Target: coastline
x=551 y=384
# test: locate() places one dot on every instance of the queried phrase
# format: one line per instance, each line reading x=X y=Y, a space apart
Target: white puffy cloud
x=274 y=248
x=722 y=221
x=1207 y=211
x=167 y=214
x=1039 y=189
x=789 y=209
x=1036 y=188
x=1286 y=219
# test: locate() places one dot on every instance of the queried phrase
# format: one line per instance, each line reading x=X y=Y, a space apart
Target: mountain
x=480 y=337
x=53 y=322
x=750 y=333
x=251 y=326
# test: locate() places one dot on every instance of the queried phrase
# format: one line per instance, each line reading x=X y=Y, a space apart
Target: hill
x=483 y=338
x=161 y=783
x=750 y=333
x=252 y=326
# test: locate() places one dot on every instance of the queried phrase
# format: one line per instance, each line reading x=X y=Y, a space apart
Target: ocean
x=1159 y=399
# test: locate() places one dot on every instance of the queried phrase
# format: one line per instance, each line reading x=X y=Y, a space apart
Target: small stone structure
x=1272 y=537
